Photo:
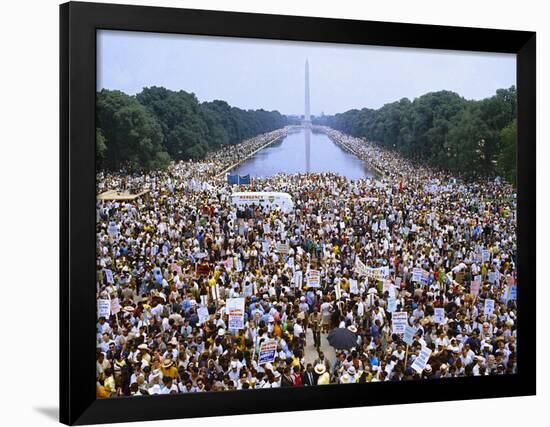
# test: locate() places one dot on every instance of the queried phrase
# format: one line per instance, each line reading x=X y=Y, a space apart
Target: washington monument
x=307 y=117
x=307 y=120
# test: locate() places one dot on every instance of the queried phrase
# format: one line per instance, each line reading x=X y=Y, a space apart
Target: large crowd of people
x=410 y=243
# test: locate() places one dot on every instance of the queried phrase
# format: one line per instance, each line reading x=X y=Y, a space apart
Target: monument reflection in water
x=301 y=152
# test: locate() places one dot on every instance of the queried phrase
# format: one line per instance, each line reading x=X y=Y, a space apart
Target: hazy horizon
x=269 y=74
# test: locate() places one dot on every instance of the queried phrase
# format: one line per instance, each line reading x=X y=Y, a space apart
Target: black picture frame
x=78 y=25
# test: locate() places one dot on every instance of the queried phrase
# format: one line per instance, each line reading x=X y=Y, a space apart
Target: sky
x=269 y=74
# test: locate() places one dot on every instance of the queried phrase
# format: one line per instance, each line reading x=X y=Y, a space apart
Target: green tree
x=507 y=159
x=133 y=136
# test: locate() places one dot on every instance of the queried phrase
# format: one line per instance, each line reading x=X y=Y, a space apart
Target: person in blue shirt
x=375 y=330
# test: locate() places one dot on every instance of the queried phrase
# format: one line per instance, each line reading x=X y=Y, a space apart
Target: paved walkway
x=311 y=352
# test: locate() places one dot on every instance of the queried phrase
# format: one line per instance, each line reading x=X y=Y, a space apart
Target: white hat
x=320 y=369
x=352 y=328
x=345 y=378
x=221 y=332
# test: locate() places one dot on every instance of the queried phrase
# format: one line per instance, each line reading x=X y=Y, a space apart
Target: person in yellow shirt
x=109 y=382
x=168 y=369
x=100 y=390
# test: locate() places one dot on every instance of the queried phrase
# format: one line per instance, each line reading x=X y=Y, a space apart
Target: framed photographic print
x=266 y=213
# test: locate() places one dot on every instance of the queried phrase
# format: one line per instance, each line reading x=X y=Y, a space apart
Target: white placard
x=203 y=314
x=439 y=315
x=489 y=307
x=103 y=308
x=268 y=351
x=282 y=248
x=392 y=304
x=422 y=360
x=338 y=291
x=298 y=279
x=109 y=276
x=353 y=286
x=235 y=310
x=313 y=278
x=399 y=322
x=115 y=306
x=409 y=334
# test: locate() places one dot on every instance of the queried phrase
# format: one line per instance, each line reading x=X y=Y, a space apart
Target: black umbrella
x=342 y=338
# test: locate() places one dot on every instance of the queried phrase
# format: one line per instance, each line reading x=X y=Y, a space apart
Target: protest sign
x=485 y=255
x=392 y=304
x=282 y=248
x=313 y=279
x=420 y=276
x=265 y=246
x=360 y=267
x=492 y=276
x=216 y=292
x=103 y=308
x=109 y=276
x=474 y=288
x=338 y=291
x=439 y=315
x=298 y=279
x=399 y=322
x=229 y=263
x=267 y=228
x=383 y=224
x=353 y=286
x=290 y=262
x=489 y=307
x=235 y=311
x=203 y=314
x=422 y=360
x=408 y=338
x=513 y=292
x=379 y=273
x=115 y=306
x=268 y=351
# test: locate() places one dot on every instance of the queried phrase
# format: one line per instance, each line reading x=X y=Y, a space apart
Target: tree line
x=148 y=130
x=443 y=130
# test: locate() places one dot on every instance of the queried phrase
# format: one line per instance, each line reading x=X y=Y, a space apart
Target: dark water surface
x=304 y=151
